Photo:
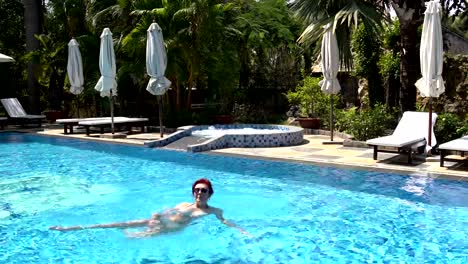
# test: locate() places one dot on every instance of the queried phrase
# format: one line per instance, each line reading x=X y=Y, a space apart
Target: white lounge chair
x=460 y=145
x=410 y=134
x=118 y=122
x=16 y=112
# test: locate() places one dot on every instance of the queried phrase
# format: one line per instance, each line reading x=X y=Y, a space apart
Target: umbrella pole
x=430 y=122
x=112 y=112
x=331 y=117
x=78 y=106
x=161 y=134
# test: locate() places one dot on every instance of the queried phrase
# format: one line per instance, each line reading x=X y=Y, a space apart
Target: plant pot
x=223 y=119
x=53 y=115
x=309 y=122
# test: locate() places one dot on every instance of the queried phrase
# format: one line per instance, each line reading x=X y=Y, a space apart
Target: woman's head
x=202 y=185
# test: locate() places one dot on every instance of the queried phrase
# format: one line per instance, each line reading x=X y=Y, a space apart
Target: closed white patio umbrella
x=107 y=85
x=75 y=67
x=330 y=65
x=5 y=58
x=156 y=62
x=75 y=70
x=431 y=57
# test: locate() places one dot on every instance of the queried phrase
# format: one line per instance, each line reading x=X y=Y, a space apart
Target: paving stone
x=323 y=157
x=304 y=149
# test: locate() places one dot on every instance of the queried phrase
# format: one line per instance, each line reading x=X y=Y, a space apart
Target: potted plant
x=223 y=114
x=223 y=109
x=310 y=102
x=55 y=100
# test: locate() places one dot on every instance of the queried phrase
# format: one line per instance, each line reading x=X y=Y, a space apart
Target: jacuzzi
x=236 y=136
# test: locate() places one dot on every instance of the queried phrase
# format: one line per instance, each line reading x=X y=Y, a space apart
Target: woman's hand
x=61 y=228
x=245 y=232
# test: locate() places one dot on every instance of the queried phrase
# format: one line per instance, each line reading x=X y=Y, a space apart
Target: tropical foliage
x=366 y=57
x=372 y=15
x=449 y=127
x=236 y=56
x=367 y=123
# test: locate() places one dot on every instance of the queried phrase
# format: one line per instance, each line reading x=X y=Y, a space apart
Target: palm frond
x=183 y=13
x=112 y=11
x=140 y=12
x=344 y=14
x=132 y=42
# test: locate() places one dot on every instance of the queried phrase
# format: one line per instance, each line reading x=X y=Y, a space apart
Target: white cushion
x=117 y=120
x=460 y=144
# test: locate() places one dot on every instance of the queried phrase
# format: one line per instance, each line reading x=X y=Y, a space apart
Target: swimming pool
x=298 y=213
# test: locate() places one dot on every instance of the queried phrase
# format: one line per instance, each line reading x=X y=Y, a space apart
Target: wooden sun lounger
x=17 y=113
x=402 y=145
x=118 y=122
x=3 y=121
x=460 y=145
x=410 y=134
x=68 y=123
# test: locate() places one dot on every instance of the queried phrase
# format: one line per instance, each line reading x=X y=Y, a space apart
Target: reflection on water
x=35 y=192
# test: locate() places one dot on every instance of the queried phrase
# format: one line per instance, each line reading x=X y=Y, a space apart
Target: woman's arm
x=134 y=223
x=219 y=214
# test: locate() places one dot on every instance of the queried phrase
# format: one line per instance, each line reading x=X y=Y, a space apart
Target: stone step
x=182 y=143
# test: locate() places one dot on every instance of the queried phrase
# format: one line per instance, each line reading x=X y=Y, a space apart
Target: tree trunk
x=189 y=88
x=56 y=84
x=178 y=98
x=410 y=14
x=410 y=68
x=33 y=26
x=308 y=63
x=392 y=90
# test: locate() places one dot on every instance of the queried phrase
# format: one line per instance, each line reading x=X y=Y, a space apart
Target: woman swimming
x=172 y=219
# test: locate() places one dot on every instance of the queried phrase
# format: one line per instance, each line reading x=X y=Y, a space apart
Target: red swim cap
x=203 y=181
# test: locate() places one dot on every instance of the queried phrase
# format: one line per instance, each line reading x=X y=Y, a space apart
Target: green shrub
x=364 y=124
x=449 y=126
x=309 y=97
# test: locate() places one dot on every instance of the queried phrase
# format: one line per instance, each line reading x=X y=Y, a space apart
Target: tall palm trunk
x=33 y=26
x=178 y=99
x=410 y=14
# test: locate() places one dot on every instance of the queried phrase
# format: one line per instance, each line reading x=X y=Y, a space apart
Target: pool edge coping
x=405 y=171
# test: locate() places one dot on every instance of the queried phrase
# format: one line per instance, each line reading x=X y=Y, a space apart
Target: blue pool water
x=297 y=213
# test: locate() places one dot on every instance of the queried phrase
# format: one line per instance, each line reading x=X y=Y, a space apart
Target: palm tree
x=51 y=56
x=12 y=42
x=116 y=16
x=343 y=13
x=267 y=49
x=410 y=14
x=199 y=21
x=371 y=13
x=191 y=30
x=33 y=24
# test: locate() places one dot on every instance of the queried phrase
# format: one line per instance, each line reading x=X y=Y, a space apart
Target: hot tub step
x=182 y=143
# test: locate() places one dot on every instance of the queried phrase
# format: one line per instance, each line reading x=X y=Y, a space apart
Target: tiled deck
x=315 y=152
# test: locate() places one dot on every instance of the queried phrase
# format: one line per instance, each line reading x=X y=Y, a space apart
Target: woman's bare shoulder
x=216 y=210
x=183 y=204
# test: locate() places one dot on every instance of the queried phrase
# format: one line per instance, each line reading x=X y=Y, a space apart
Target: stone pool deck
x=312 y=151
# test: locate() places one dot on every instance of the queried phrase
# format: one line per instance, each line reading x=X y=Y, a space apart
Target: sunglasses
x=202 y=190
